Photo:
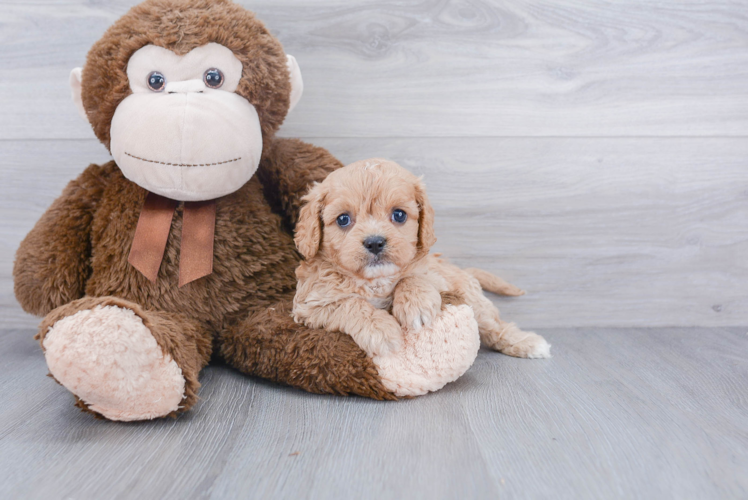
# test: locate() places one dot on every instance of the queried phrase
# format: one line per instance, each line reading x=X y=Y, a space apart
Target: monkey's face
x=183 y=132
x=184 y=94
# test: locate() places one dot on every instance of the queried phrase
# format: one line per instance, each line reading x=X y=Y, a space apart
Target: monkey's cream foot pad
x=433 y=356
x=109 y=359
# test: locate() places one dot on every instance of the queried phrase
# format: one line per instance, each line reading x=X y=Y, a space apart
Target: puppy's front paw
x=415 y=311
x=383 y=337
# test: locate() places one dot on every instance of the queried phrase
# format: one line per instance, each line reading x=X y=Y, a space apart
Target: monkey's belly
x=254 y=260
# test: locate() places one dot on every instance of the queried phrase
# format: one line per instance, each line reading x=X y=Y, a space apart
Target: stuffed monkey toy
x=181 y=248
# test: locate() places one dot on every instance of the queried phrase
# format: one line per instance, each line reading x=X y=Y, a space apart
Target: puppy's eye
x=156 y=81
x=343 y=220
x=399 y=216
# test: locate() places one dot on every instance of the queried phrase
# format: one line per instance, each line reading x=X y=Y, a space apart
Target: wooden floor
x=616 y=413
x=594 y=153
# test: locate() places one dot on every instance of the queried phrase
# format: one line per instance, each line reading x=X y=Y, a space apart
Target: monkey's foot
x=433 y=356
x=110 y=360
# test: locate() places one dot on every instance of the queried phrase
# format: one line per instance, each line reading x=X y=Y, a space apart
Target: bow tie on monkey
x=186 y=132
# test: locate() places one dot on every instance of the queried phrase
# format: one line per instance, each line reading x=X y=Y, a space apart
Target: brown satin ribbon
x=152 y=233
x=148 y=246
x=198 y=227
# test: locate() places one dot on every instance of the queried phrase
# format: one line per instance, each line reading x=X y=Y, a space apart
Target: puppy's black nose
x=375 y=244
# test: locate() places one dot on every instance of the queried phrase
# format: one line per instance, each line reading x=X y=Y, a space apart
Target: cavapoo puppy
x=365 y=234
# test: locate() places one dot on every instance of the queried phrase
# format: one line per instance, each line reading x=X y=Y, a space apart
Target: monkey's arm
x=269 y=344
x=53 y=262
x=374 y=330
x=288 y=169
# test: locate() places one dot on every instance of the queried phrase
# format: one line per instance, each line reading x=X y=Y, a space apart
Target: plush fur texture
x=424 y=364
x=74 y=260
x=372 y=296
x=269 y=344
x=110 y=359
x=133 y=349
x=253 y=271
x=179 y=337
x=181 y=26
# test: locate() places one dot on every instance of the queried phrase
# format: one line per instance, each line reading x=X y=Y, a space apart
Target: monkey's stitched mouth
x=183 y=164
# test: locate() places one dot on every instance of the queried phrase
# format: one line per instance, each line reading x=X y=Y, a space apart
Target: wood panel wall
x=592 y=152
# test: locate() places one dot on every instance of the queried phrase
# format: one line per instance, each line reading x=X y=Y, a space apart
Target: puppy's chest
x=379 y=292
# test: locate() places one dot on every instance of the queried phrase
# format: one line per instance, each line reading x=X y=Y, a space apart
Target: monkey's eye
x=344 y=220
x=213 y=78
x=399 y=216
x=156 y=81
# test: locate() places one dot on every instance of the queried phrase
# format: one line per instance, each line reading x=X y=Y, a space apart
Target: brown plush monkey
x=181 y=247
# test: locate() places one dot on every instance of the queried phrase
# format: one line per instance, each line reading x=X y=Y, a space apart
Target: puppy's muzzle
x=375 y=244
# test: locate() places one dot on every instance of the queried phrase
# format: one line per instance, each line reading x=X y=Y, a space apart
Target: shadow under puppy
x=365 y=234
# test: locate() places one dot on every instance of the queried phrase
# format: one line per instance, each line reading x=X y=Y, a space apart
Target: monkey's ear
x=297 y=84
x=309 y=226
x=75 y=86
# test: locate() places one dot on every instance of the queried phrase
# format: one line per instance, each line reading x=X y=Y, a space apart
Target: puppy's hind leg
x=512 y=341
x=506 y=338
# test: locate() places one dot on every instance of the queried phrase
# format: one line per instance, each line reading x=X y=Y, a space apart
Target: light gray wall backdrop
x=593 y=153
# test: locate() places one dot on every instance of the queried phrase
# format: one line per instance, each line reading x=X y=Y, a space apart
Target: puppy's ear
x=309 y=226
x=426 y=237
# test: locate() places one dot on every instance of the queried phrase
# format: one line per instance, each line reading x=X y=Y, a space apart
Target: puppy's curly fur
x=365 y=234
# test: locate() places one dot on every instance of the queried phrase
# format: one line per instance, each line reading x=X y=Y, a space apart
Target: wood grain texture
x=552 y=137
x=600 y=232
x=616 y=413
x=439 y=67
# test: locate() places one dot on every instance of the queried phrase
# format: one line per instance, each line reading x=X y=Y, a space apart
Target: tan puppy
x=365 y=234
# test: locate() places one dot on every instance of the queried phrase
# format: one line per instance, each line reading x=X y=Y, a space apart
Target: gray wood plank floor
x=616 y=413
x=593 y=153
